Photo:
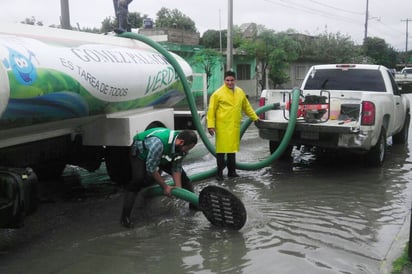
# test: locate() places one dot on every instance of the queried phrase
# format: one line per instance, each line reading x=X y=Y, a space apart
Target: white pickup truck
x=350 y=107
x=404 y=77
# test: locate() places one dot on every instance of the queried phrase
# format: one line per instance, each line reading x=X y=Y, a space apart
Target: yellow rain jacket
x=225 y=114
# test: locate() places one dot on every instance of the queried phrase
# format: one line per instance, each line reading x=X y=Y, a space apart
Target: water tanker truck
x=69 y=97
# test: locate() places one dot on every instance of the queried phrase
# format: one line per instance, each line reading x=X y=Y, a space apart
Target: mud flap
x=18 y=196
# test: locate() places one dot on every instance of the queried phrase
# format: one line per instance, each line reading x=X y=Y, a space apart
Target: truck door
x=399 y=110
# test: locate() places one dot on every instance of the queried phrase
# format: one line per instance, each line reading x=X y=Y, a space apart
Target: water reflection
x=318 y=213
x=322 y=213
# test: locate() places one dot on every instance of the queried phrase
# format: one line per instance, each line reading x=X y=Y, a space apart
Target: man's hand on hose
x=167 y=190
x=211 y=131
x=257 y=122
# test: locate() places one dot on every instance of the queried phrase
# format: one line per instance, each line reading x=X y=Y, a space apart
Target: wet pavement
x=316 y=214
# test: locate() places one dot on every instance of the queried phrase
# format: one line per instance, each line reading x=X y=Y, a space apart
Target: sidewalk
x=397 y=248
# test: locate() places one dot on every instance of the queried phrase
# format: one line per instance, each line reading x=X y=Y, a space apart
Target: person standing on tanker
x=223 y=120
x=122 y=11
x=153 y=151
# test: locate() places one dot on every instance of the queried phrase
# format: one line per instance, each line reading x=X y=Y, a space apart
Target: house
x=249 y=74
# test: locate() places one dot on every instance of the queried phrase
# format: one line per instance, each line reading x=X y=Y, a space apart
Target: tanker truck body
x=69 y=97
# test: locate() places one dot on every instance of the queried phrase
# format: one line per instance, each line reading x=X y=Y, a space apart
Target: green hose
x=180 y=73
x=181 y=193
x=156 y=190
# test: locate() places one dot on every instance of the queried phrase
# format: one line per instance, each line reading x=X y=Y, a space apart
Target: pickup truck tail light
x=262 y=103
x=368 y=113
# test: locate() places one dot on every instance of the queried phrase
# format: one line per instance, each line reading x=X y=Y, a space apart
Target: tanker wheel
x=118 y=164
x=49 y=171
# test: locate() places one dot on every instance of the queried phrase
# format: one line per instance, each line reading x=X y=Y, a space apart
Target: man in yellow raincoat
x=224 y=119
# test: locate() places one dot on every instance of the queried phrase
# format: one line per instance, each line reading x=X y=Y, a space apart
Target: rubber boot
x=129 y=199
x=231 y=165
x=220 y=160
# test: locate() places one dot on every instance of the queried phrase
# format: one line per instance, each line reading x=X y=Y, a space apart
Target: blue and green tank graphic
x=40 y=82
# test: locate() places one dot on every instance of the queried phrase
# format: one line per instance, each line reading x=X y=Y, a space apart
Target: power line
x=336 y=8
x=332 y=12
x=310 y=10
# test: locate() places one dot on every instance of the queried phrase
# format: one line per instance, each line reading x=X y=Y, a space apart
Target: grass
x=402 y=263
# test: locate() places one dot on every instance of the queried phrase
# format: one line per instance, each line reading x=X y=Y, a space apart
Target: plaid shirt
x=155 y=152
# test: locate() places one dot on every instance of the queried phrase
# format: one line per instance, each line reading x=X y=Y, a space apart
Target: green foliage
x=214 y=39
x=207 y=59
x=32 y=21
x=237 y=36
x=136 y=20
x=404 y=57
x=402 y=263
x=107 y=25
x=327 y=48
x=167 y=18
x=273 y=51
x=381 y=52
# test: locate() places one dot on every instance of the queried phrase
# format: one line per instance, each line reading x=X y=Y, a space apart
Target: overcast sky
x=387 y=19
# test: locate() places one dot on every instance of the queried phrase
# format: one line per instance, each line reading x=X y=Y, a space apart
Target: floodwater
x=316 y=214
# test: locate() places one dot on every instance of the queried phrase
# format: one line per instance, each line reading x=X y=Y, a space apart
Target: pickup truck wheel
x=376 y=156
x=286 y=155
x=401 y=138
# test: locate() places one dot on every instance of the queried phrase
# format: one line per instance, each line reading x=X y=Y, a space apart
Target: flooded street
x=319 y=214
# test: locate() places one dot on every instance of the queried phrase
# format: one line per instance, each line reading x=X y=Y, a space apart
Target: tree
x=32 y=21
x=283 y=52
x=274 y=52
x=327 y=48
x=214 y=39
x=108 y=25
x=381 y=52
x=167 y=18
x=136 y=20
x=207 y=59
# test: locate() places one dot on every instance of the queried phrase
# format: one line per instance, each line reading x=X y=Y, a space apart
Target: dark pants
x=231 y=163
x=122 y=16
x=140 y=179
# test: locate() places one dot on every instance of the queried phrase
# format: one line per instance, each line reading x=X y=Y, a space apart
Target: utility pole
x=220 y=34
x=229 y=59
x=366 y=22
x=65 y=14
x=406 y=40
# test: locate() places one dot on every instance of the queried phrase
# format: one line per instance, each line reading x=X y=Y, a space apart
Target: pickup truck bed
x=358 y=108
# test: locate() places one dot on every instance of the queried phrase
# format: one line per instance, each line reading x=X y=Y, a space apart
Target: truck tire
x=401 y=137
x=286 y=155
x=118 y=164
x=376 y=155
x=50 y=171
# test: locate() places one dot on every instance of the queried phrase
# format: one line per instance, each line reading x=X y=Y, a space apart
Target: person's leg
x=220 y=161
x=128 y=202
x=138 y=168
x=231 y=165
x=188 y=185
x=186 y=182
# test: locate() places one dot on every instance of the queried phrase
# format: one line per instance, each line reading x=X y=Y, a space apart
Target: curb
x=397 y=247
